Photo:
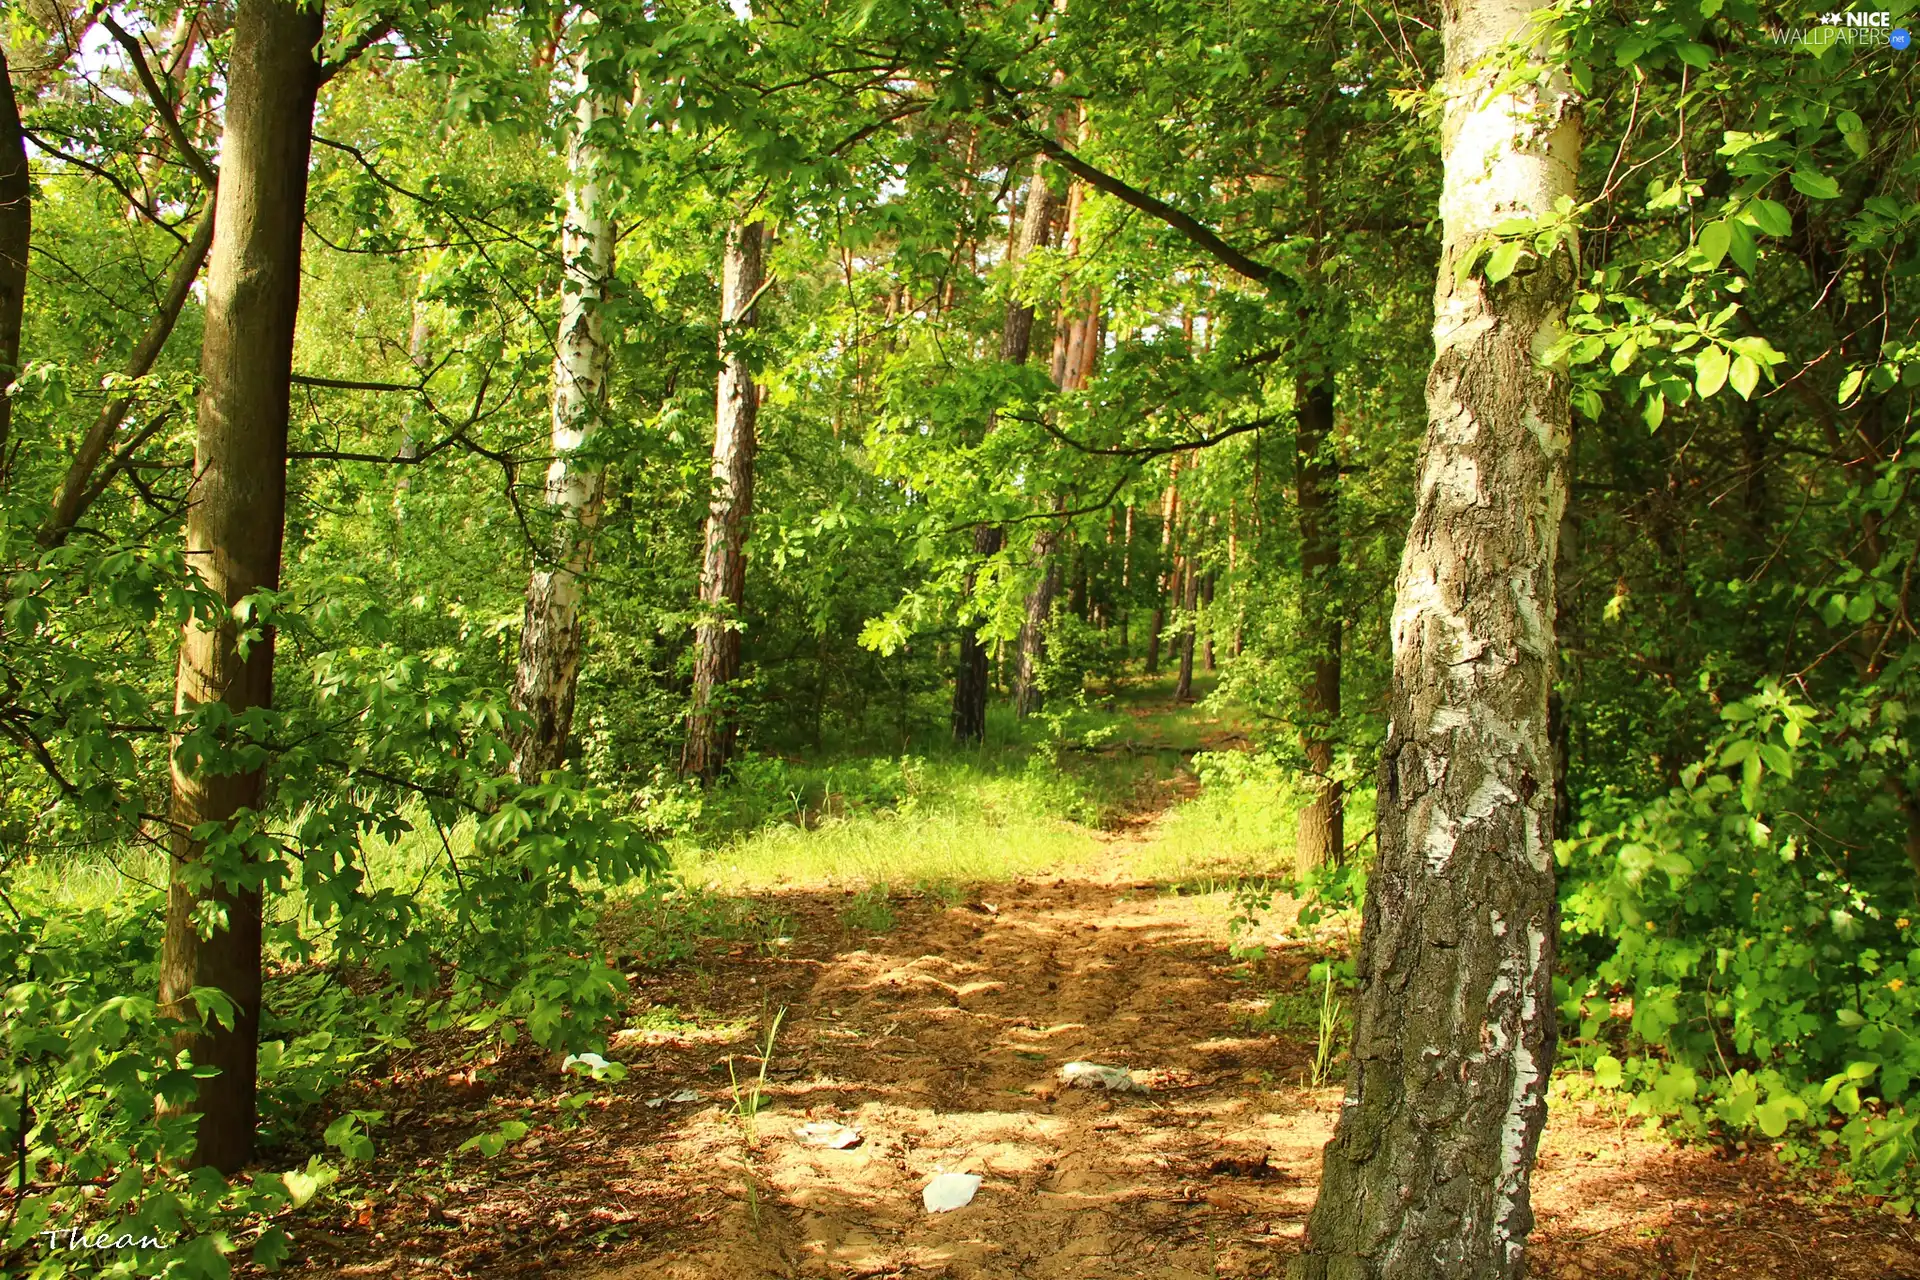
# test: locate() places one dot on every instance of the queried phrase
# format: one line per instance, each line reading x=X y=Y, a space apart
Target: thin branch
x=162 y=106
x=1146 y=452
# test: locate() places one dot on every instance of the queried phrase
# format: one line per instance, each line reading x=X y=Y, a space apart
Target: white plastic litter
x=685 y=1095
x=949 y=1191
x=1093 y=1075
x=825 y=1133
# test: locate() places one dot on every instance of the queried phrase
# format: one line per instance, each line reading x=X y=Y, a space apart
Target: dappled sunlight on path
x=940 y=1040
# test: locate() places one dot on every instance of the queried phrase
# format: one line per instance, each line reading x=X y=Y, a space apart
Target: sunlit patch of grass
x=86 y=879
x=948 y=844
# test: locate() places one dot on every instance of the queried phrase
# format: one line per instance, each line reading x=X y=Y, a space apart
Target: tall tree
x=234 y=530
x=970 y=683
x=1076 y=342
x=16 y=232
x=723 y=569
x=1321 y=829
x=554 y=627
x=1428 y=1172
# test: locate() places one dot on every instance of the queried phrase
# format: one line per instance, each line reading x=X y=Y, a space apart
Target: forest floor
x=936 y=1025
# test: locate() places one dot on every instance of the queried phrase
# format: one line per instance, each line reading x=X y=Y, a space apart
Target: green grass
x=1047 y=795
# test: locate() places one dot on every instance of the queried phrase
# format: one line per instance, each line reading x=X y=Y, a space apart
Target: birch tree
x=551 y=635
x=235 y=526
x=1428 y=1172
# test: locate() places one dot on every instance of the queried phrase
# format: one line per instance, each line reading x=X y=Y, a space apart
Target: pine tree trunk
x=1206 y=607
x=970 y=683
x=1321 y=831
x=1168 y=579
x=551 y=636
x=1033 y=627
x=1427 y=1176
x=16 y=234
x=234 y=531
x=1189 y=603
x=723 y=572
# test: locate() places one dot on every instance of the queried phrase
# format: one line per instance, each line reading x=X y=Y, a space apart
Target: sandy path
x=939 y=1040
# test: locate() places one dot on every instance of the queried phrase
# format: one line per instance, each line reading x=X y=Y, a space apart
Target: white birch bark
x=1428 y=1173
x=550 y=638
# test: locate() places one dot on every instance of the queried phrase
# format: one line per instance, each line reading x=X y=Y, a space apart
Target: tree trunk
x=1321 y=832
x=550 y=638
x=1206 y=607
x=970 y=682
x=1033 y=627
x=723 y=572
x=1168 y=578
x=234 y=531
x=1428 y=1174
x=1189 y=603
x=16 y=234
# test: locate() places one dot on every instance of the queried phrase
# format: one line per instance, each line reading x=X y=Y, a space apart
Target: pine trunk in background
x=1428 y=1174
x=16 y=234
x=1189 y=604
x=1076 y=342
x=550 y=638
x=723 y=571
x=234 y=531
x=1321 y=832
x=1033 y=627
x=1167 y=580
x=970 y=682
x=1206 y=607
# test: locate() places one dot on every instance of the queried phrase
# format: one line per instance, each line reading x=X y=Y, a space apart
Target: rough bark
x=970 y=683
x=82 y=483
x=723 y=570
x=234 y=530
x=1320 y=834
x=16 y=233
x=1428 y=1173
x=553 y=630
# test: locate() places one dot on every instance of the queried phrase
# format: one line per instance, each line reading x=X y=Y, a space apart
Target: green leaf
x=1502 y=261
x=1623 y=358
x=1771 y=217
x=1741 y=247
x=1814 y=184
x=272 y=1248
x=1606 y=1071
x=1854 y=130
x=1711 y=247
x=1694 y=54
x=1745 y=376
x=1654 y=411
x=1710 y=370
x=1850 y=384
x=1772 y=1117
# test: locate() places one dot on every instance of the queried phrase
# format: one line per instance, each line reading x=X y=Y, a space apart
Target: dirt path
x=940 y=1040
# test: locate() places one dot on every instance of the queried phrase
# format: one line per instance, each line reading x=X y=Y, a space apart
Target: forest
x=742 y=639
